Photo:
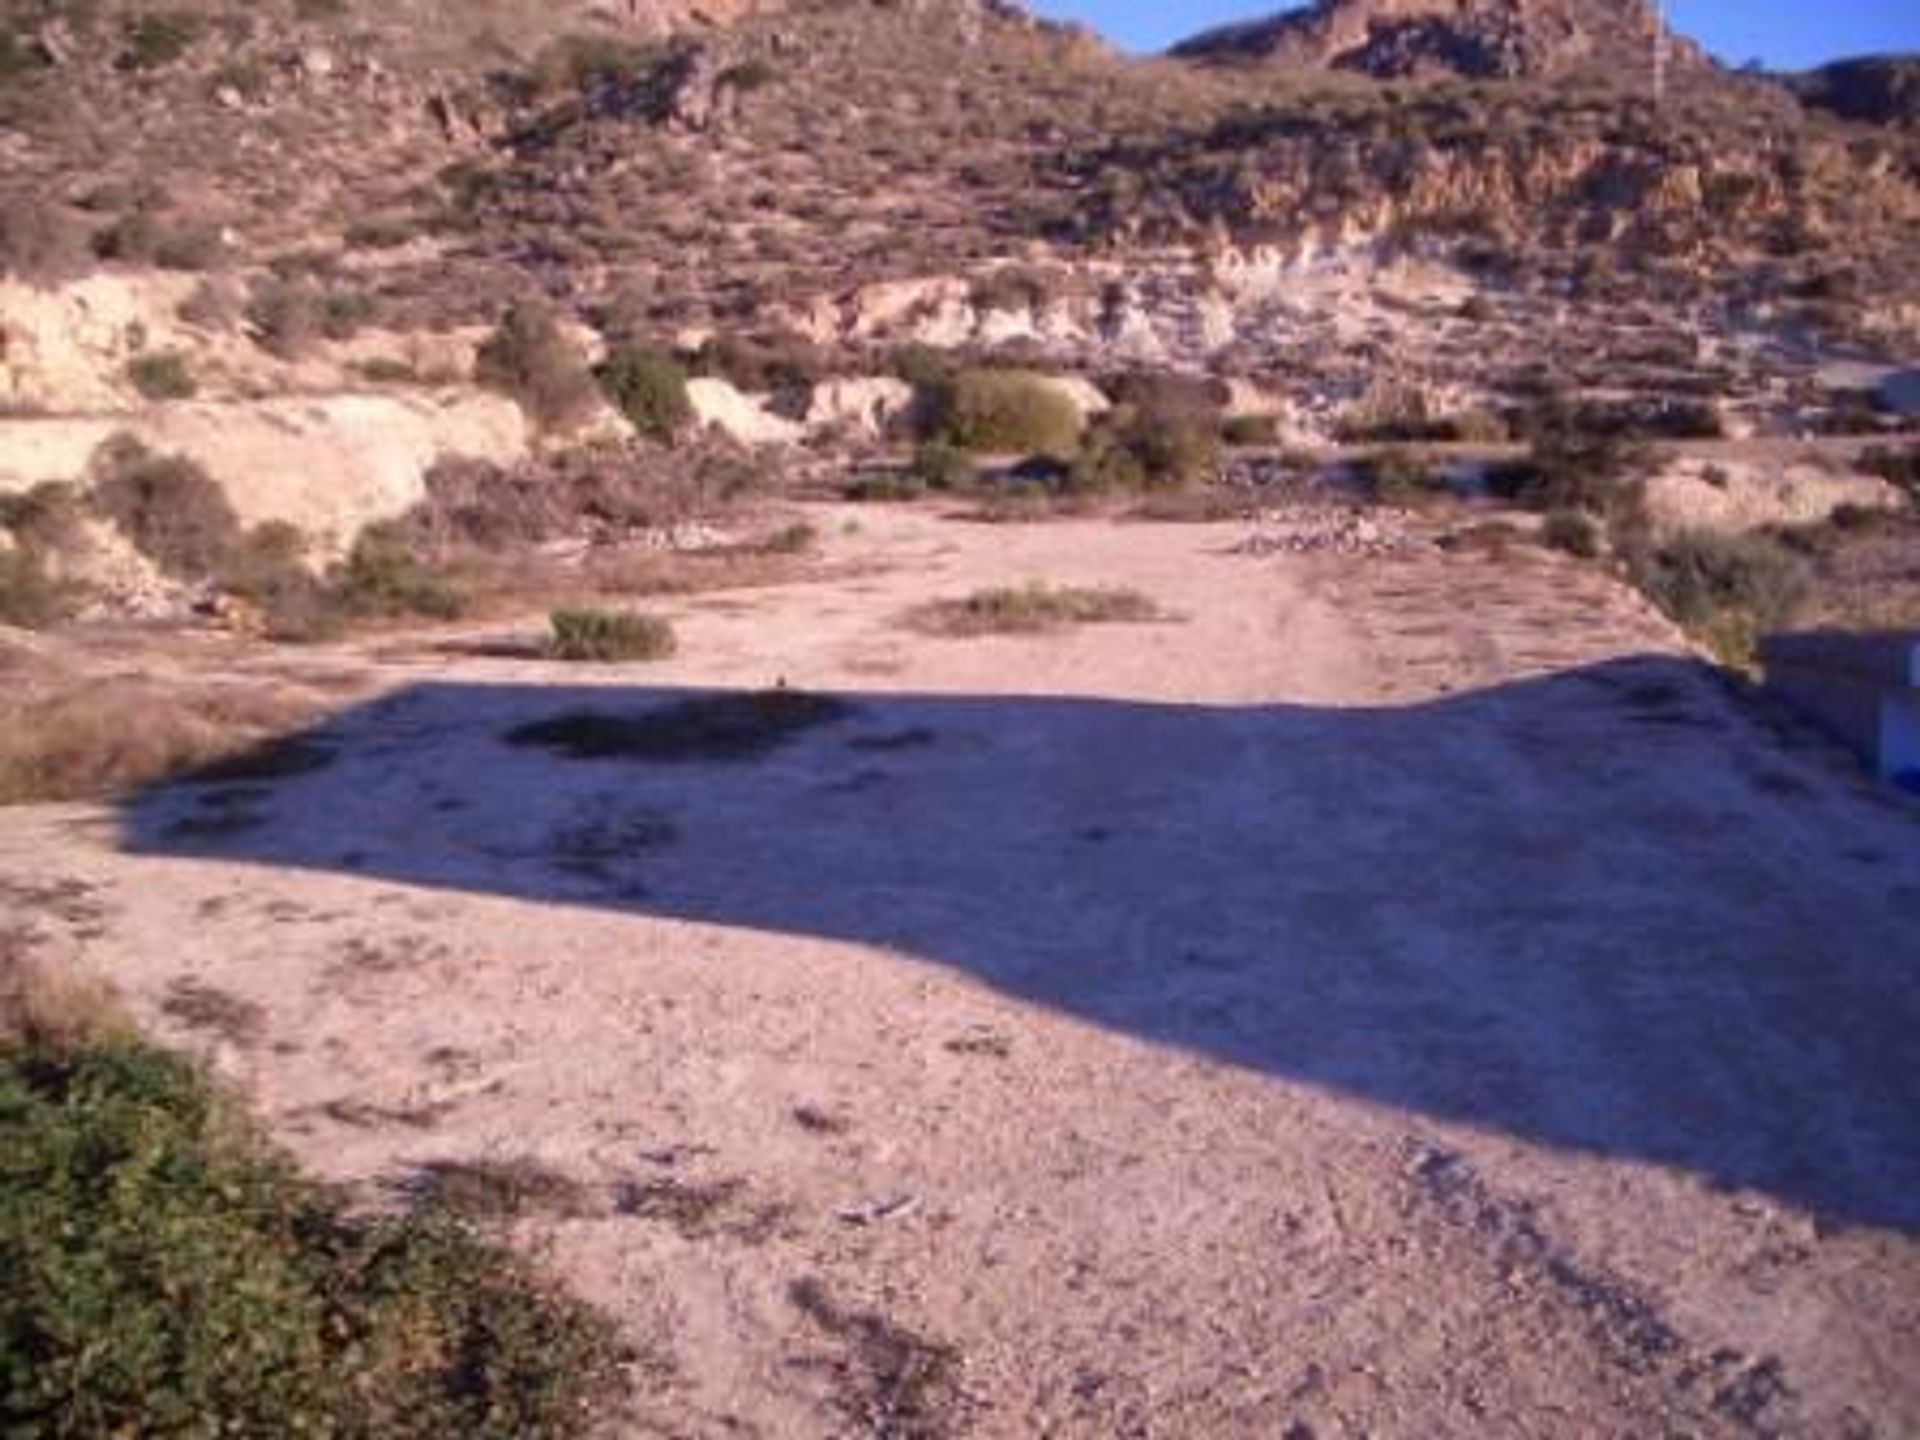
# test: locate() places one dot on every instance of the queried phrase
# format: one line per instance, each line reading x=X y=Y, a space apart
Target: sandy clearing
x=1399 y=997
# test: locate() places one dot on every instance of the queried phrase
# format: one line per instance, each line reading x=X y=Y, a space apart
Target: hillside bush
x=1003 y=412
x=162 y=375
x=168 y=507
x=158 y=38
x=383 y=578
x=1729 y=589
x=648 y=386
x=530 y=359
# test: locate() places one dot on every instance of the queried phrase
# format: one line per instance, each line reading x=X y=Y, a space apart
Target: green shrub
x=267 y=568
x=1728 y=588
x=169 y=1274
x=609 y=635
x=162 y=375
x=290 y=316
x=158 y=38
x=1032 y=609
x=1573 y=531
x=17 y=57
x=1009 y=412
x=649 y=387
x=922 y=366
x=168 y=507
x=940 y=466
x=285 y=317
x=382 y=578
x=530 y=359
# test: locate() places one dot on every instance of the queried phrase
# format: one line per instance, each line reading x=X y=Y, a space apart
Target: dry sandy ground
x=1393 y=997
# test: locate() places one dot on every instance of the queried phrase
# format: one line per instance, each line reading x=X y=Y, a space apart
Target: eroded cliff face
x=1483 y=38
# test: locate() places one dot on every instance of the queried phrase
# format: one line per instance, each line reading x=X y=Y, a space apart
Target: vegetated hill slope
x=453 y=157
x=1486 y=38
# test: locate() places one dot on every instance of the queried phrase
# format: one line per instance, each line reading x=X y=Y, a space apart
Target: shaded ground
x=1395 y=997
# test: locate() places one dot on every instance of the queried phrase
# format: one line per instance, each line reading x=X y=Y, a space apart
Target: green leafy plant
x=167 y=506
x=162 y=375
x=168 y=1273
x=608 y=635
x=1002 y=411
x=649 y=387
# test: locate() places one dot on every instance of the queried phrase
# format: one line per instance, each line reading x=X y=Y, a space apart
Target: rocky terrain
x=1024 y=741
x=1395 y=39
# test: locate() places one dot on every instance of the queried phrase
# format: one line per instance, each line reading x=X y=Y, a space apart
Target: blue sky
x=1785 y=33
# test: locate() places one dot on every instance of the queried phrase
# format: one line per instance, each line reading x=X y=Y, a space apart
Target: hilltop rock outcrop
x=1393 y=39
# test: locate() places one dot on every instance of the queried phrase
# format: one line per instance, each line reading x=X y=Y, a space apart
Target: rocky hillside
x=1877 y=89
x=1392 y=39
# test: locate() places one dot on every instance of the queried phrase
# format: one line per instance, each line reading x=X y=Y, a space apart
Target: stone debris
x=1329 y=530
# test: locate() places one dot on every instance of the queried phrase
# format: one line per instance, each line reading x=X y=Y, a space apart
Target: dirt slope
x=1402 y=997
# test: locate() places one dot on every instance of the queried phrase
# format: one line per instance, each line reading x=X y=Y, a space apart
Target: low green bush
x=1575 y=532
x=940 y=466
x=648 y=386
x=1032 y=609
x=169 y=1274
x=1730 y=589
x=382 y=578
x=587 y=634
x=162 y=375
x=167 y=506
x=1008 y=412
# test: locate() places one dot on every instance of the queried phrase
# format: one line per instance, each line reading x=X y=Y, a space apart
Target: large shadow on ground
x=1595 y=910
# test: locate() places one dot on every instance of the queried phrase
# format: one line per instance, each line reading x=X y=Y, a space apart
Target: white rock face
x=67 y=349
x=862 y=404
x=1695 y=494
x=330 y=465
x=717 y=403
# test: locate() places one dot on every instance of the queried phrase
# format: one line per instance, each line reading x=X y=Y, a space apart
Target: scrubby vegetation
x=1033 y=609
x=162 y=375
x=168 y=507
x=587 y=634
x=1728 y=588
x=649 y=387
x=1008 y=412
x=530 y=359
x=169 y=1273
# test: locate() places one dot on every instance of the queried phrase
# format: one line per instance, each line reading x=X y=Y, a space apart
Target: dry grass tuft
x=1032 y=609
x=51 y=1009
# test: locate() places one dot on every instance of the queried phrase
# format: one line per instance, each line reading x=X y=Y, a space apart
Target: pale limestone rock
x=719 y=405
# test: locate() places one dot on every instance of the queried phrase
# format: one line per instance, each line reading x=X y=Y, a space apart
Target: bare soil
x=1406 y=996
